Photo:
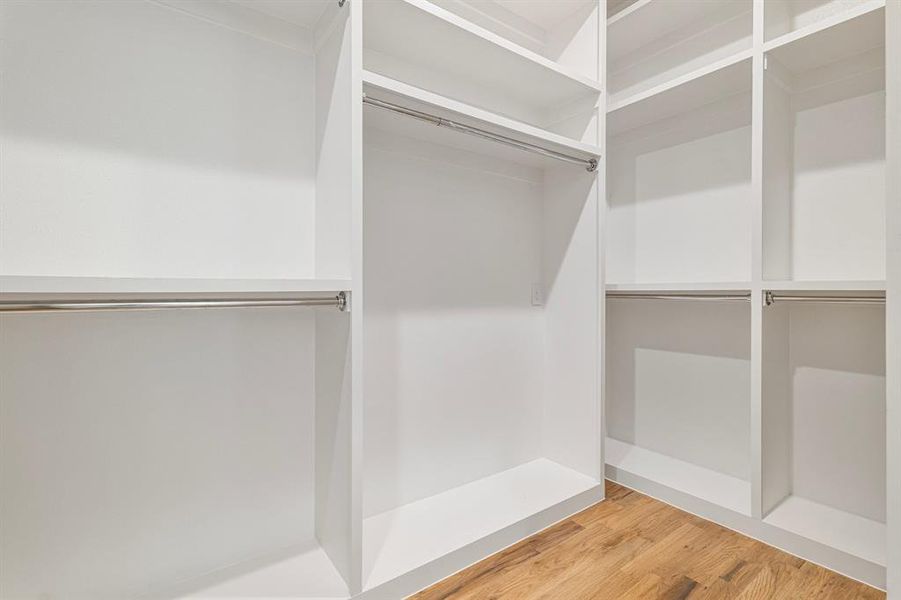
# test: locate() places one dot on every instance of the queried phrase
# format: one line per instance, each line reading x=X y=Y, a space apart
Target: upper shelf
x=436 y=41
x=654 y=42
x=387 y=89
x=27 y=286
x=787 y=20
x=828 y=41
x=727 y=77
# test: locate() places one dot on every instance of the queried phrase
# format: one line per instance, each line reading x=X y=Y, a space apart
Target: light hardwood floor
x=631 y=546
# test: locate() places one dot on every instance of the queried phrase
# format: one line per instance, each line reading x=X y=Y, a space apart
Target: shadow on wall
x=108 y=83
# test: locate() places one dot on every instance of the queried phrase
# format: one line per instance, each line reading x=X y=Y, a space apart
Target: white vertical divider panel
x=334 y=100
x=602 y=233
x=357 y=296
x=756 y=404
x=334 y=484
x=776 y=409
x=573 y=281
x=893 y=293
x=570 y=417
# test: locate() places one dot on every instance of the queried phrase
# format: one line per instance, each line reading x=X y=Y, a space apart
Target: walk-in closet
x=332 y=299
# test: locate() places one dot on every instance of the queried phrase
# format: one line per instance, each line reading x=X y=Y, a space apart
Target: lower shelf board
x=300 y=574
x=406 y=538
x=712 y=486
x=842 y=530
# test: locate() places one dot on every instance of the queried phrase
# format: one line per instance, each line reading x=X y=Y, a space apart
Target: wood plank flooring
x=631 y=546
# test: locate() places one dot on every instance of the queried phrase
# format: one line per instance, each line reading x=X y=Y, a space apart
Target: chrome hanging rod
x=738 y=296
x=339 y=301
x=770 y=298
x=590 y=164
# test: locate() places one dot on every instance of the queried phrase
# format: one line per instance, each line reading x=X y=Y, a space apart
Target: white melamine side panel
x=777 y=419
x=678 y=377
x=355 y=170
x=333 y=438
x=454 y=349
x=140 y=141
x=837 y=362
x=679 y=201
x=334 y=98
x=893 y=304
x=571 y=420
x=838 y=190
x=778 y=174
x=141 y=449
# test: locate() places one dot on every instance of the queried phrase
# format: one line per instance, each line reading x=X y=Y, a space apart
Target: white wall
x=838 y=190
x=138 y=449
x=678 y=380
x=679 y=200
x=454 y=349
x=115 y=163
x=837 y=365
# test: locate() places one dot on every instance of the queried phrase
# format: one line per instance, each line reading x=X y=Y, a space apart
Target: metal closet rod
x=770 y=298
x=339 y=301
x=738 y=296
x=590 y=164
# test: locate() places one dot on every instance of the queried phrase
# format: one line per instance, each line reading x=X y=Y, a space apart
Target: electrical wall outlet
x=537 y=294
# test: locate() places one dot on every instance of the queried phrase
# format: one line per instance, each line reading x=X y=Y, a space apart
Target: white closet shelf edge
x=689 y=286
x=60 y=285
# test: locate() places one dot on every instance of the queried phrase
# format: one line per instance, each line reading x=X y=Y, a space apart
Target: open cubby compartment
x=824 y=410
x=796 y=17
x=482 y=411
x=824 y=154
x=678 y=399
x=679 y=183
x=170 y=454
x=654 y=42
x=473 y=52
x=175 y=141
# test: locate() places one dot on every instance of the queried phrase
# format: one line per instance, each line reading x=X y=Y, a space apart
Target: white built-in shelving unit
x=745 y=195
x=175 y=151
x=247 y=154
x=482 y=282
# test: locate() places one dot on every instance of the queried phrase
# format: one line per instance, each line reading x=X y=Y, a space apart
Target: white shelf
x=26 y=285
x=305 y=574
x=724 y=78
x=714 y=487
x=419 y=32
x=876 y=285
x=692 y=286
x=645 y=21
x=845 y=531
x=847 y=29
x=623 y=13
x=386 y=88
x=400 y=540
